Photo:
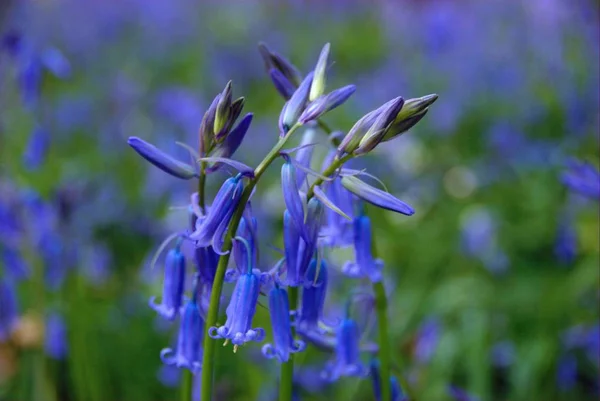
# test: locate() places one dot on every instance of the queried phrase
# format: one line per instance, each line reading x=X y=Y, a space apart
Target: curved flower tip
x=376 y=196
x=162 y=160
x=162 y=310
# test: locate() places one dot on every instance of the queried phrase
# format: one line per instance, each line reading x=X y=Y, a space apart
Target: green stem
x=384 y=340
x=287 y=368
x=201 y=185
x=186 y=385
x=337 y=163
x=215 y=295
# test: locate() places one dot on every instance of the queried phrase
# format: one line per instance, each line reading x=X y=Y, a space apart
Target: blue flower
x=460 y=395
x=339 y=231
x=206 y=260
x=14 y=263
x=583 y=178
x=8 y=309
x=375 y=373
x=55 y=337
x=364 y=264
x=283 y=340
x=347 y=352
x=295 y=106
x=189 y=341
x=313 y=297
x=37 y=149
x=241 y=309
x=298 y=251
x=173 y=285
x=565 y=246
x=291 y=196
x=376 y=196
x=427 y=340
x=162 y=160
x=247 y=231
x=211 y=228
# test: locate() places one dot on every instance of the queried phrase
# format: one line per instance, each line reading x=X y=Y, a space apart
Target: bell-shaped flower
x=347 y=352
x=283 y=340
x=242 y=307
x=8 y=309
x=162 y=160
x=55 y=336
x=206 y=260
x=338 y=231
x=396 y=391
x=173 y=285
x=304 y=154
x=247 y=231
x=189 y=341
x=291 y=195
x=364 y=264
x=314 y=292
x=376 y=196
x=211 y=228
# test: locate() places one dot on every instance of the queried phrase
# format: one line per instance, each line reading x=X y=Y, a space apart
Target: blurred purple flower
x=36 y=149
x=566 y=372
x=55 y=338
x=428 y=338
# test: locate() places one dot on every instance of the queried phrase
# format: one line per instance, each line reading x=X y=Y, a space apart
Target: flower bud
x=282 y=84
x=317 y=87
x=326 y=103
x=295 y=106
x=377 y=131
x=161 y=160
x=375 y=196
x=222 y=114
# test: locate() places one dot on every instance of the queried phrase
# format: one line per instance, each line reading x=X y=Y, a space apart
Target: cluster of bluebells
x=323 y=209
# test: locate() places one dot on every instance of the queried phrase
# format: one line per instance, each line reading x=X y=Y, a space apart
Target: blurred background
x=494 y=282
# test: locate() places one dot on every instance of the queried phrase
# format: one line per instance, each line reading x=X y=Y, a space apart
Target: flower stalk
x=215 y=296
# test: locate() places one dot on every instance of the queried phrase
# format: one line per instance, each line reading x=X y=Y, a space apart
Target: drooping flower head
x=211 y=229
x=314 y=292
x=283 y=340
x=583 y=178
x=347 y=360
x=242 y=307
x=173 y=285
x=189 y=341
x=55 y=336
x=364 y=265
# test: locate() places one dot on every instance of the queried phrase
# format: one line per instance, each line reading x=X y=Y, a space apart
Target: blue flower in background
x=55 y=339
x=8 y=308
x=347 y=360
x=364 y=265
x=36 y=149
x=173 y=285
x=459 y=394
x=427 y=340
x=582 y=178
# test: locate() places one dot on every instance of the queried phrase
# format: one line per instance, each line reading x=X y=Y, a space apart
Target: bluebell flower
x=283 y=340
x=55 y=257
x=364 y=265
x=583 y=178
x=304 y=154
x=274 y=60
x=565 y=245
x=14 y=264
x=173 y=285
x=189 y=341
x=298 y=251
x=339 y=232
x=8 y=309
x=317 y=87
x=396 y=391
x=232 y=142
x=285 y=88
x=375 y=196
x=347 y=352
x=314 y=292
x=242 y=307
x=291 y=195
x=427 y=340
x=55 y=337
x=566 y=372
x=247 y=231
x=317 y=108
x=459 y=394
x=295 y=106
x=211 y=228
x=36 y=149
x=206 y=260
x=162 y=160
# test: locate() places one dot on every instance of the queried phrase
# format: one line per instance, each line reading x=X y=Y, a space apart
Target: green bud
x=223 y=113
x=415 y=106
x=318 y=84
